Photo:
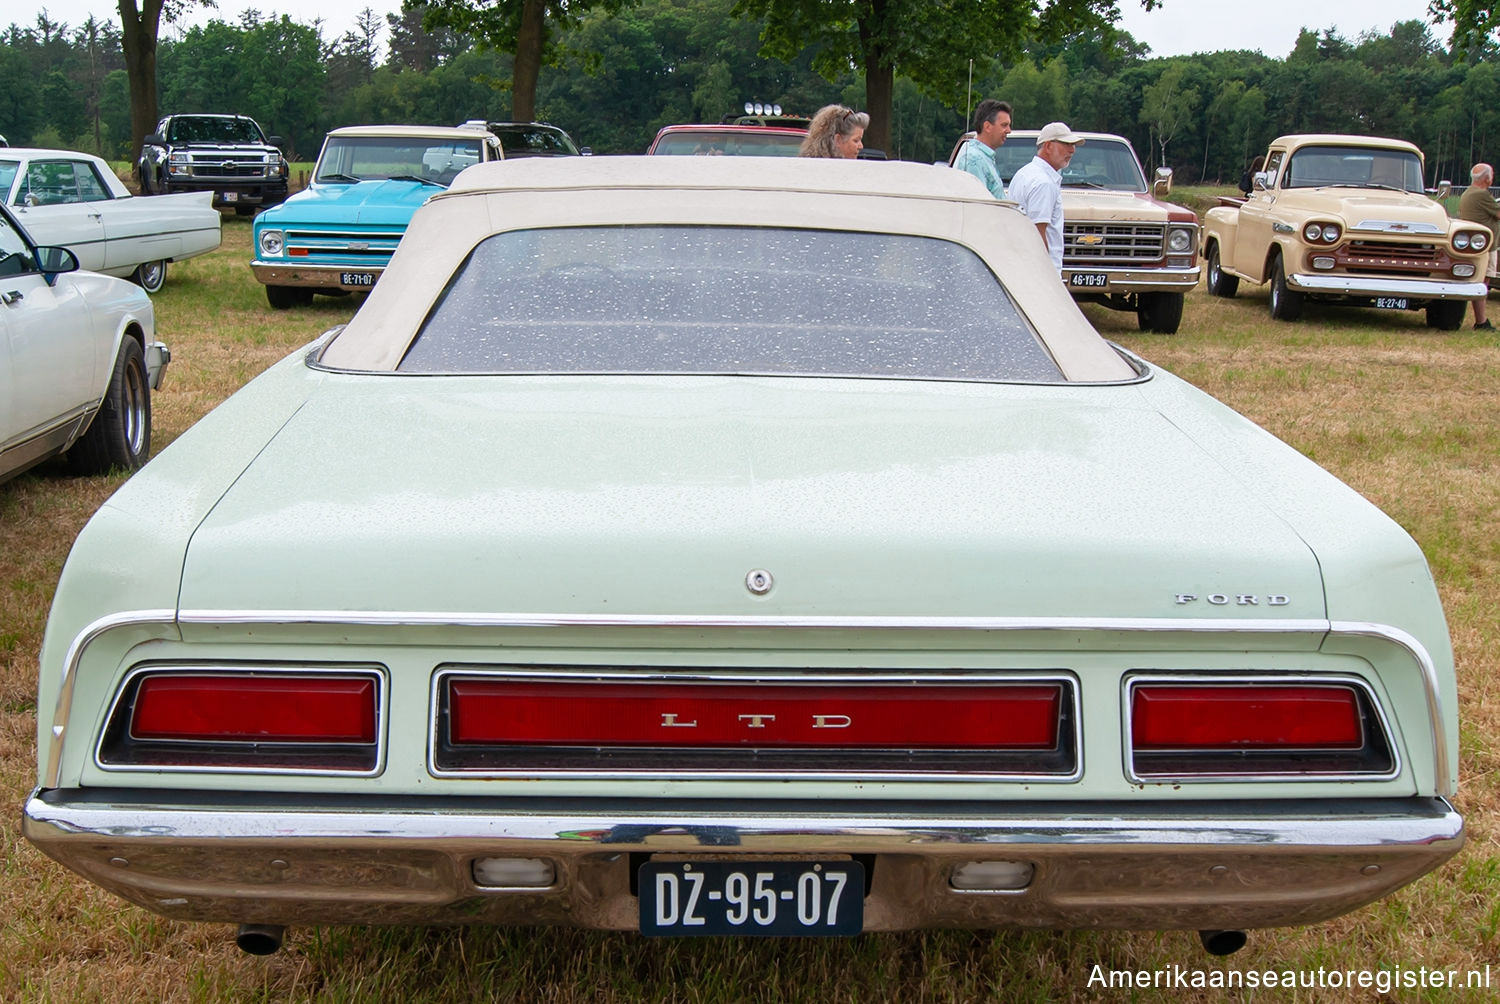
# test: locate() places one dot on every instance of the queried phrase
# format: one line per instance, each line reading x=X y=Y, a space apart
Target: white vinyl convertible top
x=790 y=192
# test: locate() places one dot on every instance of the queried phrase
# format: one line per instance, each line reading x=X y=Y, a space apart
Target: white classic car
x=78 y=360
x=707 y=545
x=73 y=200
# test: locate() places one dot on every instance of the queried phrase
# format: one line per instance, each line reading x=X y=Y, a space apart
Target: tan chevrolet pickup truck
x=1123 y=246
x=1345 y=219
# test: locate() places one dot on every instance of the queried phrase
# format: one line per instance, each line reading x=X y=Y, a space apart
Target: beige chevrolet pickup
x=1345 y=219
x=1123 y=247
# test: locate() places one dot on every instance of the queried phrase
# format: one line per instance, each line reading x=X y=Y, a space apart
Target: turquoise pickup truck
x=338 y=235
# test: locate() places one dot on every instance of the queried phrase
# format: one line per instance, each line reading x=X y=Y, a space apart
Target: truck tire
x=1446 y=315
x=120 y=434
x=1220 y=283
x=286 y=297
x=1286 y=303
x=1160 y=313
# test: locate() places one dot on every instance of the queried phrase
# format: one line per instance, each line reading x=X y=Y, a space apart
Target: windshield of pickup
x=1099 y=163
x=1354 y=167
x=728 y=300
x=528 y=141
x=213 y=129
x=347 y=159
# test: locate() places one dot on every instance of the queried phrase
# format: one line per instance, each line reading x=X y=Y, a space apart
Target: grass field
x=1410 y=417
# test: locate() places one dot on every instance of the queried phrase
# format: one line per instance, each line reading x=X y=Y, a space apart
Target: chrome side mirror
x=1444 y=189
x=1162 y=187
x=1262 y=180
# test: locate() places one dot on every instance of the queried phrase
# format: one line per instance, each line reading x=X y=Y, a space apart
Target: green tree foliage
x=527 y=29
x=1475 y=24
x=927 y=41
x=619 y=78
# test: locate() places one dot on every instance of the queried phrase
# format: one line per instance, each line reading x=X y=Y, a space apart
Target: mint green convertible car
x=697 y=546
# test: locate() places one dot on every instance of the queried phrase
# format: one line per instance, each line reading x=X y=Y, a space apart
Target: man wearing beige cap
x=1038 y=185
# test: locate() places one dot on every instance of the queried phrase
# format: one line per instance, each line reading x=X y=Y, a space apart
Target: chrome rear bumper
x=1203 y=865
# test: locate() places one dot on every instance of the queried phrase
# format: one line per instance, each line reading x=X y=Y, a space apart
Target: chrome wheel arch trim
x=1442 y=765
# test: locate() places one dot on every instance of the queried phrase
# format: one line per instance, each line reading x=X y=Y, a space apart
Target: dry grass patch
x=1408 y=416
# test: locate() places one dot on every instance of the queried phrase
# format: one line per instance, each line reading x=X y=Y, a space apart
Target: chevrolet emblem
x=1091 y=239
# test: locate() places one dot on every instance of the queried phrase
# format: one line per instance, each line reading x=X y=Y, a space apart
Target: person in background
x=1247 y=180
x=1038 y=185
x=977 y=156
x=835 y=131
x=1477 y=205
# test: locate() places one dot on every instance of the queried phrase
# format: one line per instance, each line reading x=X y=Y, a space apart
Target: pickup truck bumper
x=232 y=192
x=1359 y=285
x=317 y=276
x=1081 y=279
x=289 y=859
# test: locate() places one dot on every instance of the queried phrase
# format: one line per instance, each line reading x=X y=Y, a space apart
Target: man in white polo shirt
x=1038 y=185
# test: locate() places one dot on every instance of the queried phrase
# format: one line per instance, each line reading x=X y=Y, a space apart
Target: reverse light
x=1251 y=728
x=992 y=876
x=514 y=873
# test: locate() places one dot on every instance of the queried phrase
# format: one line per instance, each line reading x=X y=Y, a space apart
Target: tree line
x=620 y=72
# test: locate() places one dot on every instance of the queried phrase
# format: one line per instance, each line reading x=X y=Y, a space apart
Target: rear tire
x=120 y=434
x=1446 y=315
x=1286 y=303
x=150 y=275
x=1159 y=312
x=1220 y=283
x=286 y=297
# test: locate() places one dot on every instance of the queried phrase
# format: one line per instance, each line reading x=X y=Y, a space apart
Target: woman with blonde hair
x=835 y=131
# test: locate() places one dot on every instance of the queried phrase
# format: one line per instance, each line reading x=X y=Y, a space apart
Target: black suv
x=224 y=154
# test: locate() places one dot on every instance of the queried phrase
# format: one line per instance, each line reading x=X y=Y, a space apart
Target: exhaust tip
x=1222 y=942
x=260 y=939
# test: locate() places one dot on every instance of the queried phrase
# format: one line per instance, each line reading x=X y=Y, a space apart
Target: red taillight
x=1220 y=717
x=494 y=712
x=285 y=708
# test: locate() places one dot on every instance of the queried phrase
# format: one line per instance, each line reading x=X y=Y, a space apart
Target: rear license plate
x=356 y=278
x=231 y=196
x=754 y=898
x=1392 y=302
x=1088 y=279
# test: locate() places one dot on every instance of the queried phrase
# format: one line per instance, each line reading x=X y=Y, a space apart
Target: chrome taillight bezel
x=670 y=763
x=117 y=750
x=1377 y=759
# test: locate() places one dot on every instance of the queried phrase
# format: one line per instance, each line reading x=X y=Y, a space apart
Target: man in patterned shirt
x=977 y=156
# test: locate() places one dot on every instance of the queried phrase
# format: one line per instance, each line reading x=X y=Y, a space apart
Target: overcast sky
x=1177 y=27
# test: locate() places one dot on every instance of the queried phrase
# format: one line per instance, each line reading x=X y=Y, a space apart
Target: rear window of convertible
x=734 y=300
